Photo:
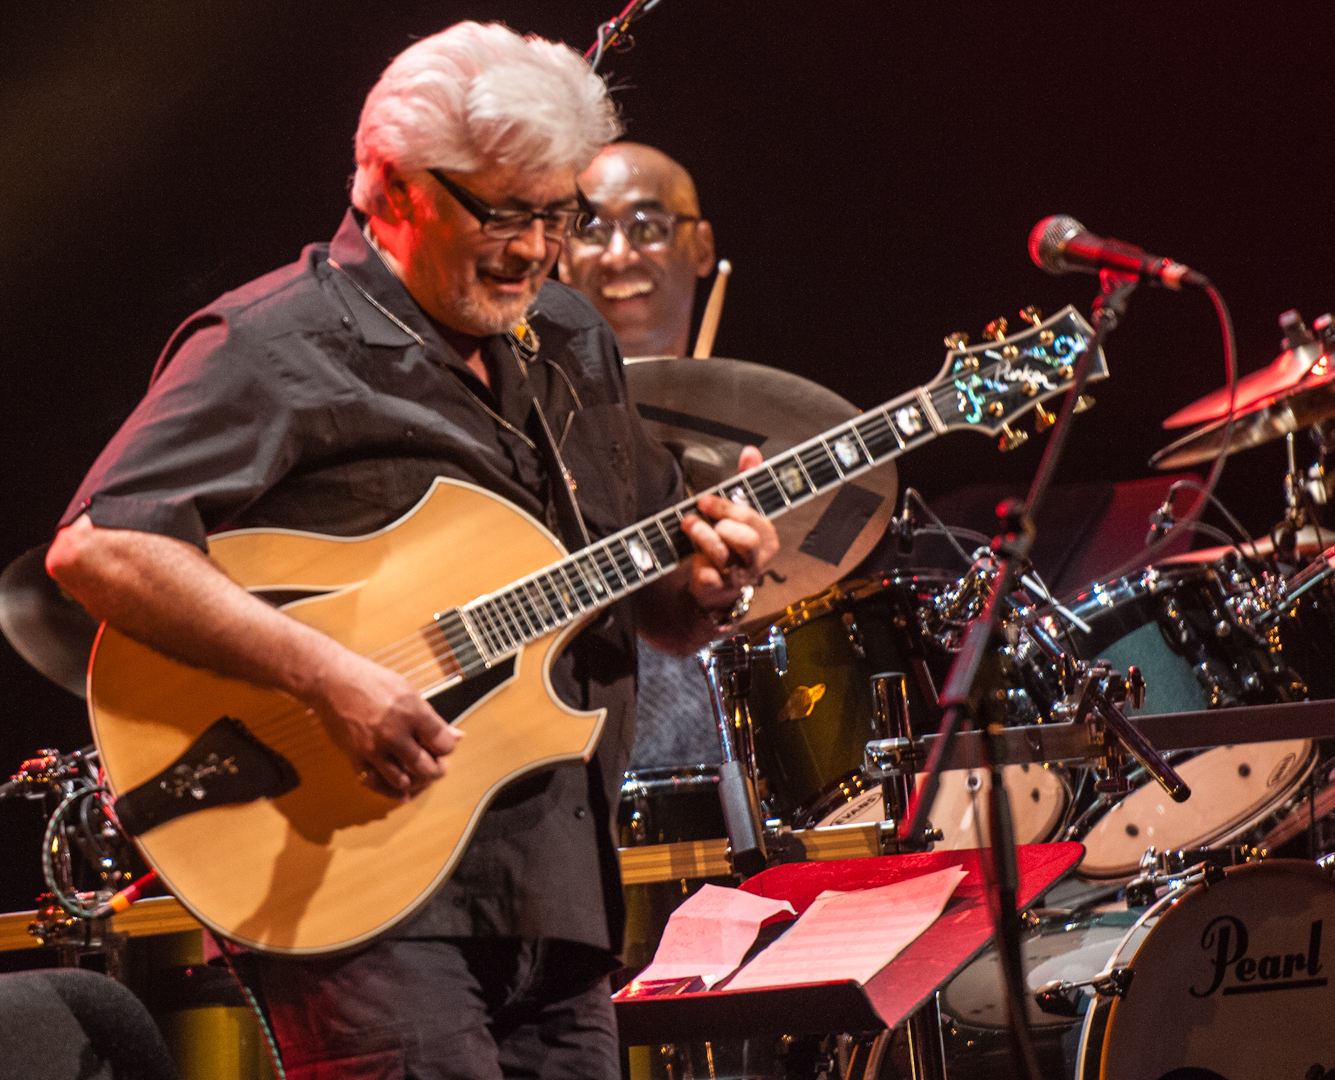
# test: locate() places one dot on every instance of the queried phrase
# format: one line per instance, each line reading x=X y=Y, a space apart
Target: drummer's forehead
x=634 y=182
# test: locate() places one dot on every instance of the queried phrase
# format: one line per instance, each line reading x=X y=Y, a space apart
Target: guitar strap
x=573 y=530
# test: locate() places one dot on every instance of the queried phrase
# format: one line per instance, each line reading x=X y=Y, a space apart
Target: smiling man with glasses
x=425 y=340
x=639 y=257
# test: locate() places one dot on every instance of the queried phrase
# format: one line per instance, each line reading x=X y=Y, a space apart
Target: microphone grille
x=1046 y=240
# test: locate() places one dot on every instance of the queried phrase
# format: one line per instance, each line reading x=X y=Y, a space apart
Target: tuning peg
x=1032 y=315
x=1043 y=419
x=957 y=340
x=1011 y=439
x=1084 y=403
x=996 y=329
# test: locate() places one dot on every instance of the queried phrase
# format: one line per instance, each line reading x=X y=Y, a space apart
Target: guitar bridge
x=226 y=764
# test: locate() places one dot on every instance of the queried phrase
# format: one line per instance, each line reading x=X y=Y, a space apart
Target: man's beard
x=494 y=315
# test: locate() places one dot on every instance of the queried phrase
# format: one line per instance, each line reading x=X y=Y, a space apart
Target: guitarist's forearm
x=165 y=593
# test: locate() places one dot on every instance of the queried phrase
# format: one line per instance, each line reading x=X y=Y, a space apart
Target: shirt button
x=579 y=812
x=347 y=322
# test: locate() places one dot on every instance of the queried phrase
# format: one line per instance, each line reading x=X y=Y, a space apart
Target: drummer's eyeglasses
x=644 y=229
x=557 y=222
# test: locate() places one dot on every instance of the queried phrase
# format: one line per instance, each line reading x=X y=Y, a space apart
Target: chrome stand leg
x=927 y=1051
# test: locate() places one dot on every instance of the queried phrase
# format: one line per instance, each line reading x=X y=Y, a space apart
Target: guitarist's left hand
x=682 y=612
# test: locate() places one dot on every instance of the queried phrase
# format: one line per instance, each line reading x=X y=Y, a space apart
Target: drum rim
x=824 y=603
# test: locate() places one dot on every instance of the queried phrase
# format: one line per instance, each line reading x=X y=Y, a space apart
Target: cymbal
x=1280 y=375
x=45 y=625
x=1313 y=399
x=705 y=409
x=1309 y=542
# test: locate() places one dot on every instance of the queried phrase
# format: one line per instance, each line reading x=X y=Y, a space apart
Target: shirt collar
x=385 y=312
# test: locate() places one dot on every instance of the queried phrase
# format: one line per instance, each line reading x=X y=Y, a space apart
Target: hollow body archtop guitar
x=253 y=818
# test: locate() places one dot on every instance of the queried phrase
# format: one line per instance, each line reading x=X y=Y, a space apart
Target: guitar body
x=330 y=864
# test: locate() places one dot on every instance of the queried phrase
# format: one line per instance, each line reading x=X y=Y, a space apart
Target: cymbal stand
x=727 y=668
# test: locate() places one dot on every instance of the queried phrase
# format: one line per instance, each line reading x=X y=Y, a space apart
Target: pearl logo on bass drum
x=1236 y=971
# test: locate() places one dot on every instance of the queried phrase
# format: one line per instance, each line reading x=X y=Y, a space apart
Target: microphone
x=1061 y=245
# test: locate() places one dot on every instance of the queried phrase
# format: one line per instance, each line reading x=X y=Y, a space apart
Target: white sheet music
x=851 y=935
x=709 y=934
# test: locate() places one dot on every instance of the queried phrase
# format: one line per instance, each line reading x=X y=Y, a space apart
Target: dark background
x=872 y=170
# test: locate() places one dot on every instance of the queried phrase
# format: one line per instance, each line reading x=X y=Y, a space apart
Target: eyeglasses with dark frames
x=643 y=229
x=557 y=223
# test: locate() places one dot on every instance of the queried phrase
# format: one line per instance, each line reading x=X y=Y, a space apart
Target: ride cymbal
x=1312 y=400
x=705 y=409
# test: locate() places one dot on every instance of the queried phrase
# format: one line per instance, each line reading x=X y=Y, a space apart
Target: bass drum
x=1181 y=627
x=1229 y=984
x=973 y=1009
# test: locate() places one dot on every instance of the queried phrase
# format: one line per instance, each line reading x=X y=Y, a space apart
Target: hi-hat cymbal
x=1282 y=374
x=1272 y=418
x=706 y=409
x=45 y=625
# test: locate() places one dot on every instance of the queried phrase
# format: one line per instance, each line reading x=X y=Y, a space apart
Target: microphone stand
x=975 y=690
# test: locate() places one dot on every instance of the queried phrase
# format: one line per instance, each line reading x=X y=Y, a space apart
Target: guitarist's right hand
x=166 y=594
x=392 y=737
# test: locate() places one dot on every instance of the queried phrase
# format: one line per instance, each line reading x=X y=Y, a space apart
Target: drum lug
x=854 y=634
x=1057 y=999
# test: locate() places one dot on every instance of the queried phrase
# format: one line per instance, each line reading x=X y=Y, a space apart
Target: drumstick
x=704 y=342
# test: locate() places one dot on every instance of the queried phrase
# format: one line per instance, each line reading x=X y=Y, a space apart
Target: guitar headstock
x=985 y=387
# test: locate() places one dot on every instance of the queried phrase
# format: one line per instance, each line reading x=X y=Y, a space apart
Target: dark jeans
x=432 y=1009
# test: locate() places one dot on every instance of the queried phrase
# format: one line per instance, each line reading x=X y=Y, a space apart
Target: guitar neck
x=980 y=388
x=497 y=624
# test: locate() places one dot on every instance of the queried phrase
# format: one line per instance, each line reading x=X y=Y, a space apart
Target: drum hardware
x=1075 y=744
x=890 y=707
x=727 y=668
x=75 y=922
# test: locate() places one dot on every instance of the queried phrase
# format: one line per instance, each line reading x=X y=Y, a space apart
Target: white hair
x=474 y=95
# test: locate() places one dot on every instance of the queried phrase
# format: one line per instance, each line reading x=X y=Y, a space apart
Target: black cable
x=945 y=530
x=270 y=1041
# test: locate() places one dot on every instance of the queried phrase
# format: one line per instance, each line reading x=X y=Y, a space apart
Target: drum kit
x=1185 y=908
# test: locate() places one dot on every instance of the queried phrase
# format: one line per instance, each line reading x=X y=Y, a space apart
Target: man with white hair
x=425 y=340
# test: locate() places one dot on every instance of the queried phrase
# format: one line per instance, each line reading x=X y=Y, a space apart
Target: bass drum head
x=1232 y=787
x=1039 y=799
x=1233 y=982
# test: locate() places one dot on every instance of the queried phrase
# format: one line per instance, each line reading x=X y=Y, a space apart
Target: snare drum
x=1233 y=981
x=974 y=1008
